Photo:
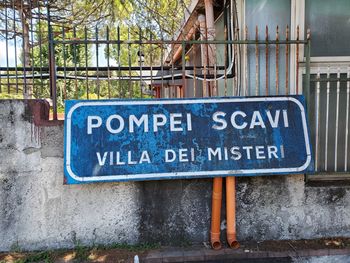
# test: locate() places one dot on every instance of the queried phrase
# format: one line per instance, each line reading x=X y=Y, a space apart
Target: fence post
x=306 y=88
x=183 y=58
x=52 y=66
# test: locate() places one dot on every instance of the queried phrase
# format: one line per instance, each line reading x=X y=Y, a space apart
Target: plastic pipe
x=216 y=213
x=231 y=212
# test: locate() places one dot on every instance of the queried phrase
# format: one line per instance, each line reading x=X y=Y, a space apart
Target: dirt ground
x=121 y=253
x=81 y=254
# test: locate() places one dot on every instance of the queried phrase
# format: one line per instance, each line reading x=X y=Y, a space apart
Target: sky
x=11 y=55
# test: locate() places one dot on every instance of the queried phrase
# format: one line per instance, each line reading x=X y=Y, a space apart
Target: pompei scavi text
x=178 y=122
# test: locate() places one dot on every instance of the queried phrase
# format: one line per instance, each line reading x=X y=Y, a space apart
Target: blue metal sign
x=125 y=140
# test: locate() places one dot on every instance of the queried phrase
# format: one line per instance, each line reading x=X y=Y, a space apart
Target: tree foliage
x=27 y=22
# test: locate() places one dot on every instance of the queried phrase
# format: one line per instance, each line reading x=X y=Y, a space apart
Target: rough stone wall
x=37 y=211
x=283 y=207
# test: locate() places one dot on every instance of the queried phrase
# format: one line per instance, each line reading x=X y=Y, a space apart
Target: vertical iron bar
x=257 y=69
x=40 y=51
x=162 y=61
x=183 y=44
x=267 y=61
x=64 y=63
x=24 y=49
x=277 y=58
x=15 y=43
x=151 y=62
x=307 y=73
x=306 y=89
x=108 y=64
x=327 y=122
x=235 y=82
x=216 y=91
x=86 y=62
x=225 y=59
x=31 y=32
x=246 y=87
x=172 y=62
x=183 y=58
x=225 y=46
x=347 y=121
x=7 y=53
x=204 y=58
x=194 y=69
x=297 y=63
x=52 y=66
x=205 y=84
x=140 y=62
x=120 y=83
x=337 y=124
x=129 y=62
x=97 y=64
x=239 y=68
x=317 y=121
x=75 y=63
x=287 y=61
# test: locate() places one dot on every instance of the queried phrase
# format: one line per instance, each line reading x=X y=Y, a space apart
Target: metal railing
x=329 y=111
x=66 y=62
x=59 y=62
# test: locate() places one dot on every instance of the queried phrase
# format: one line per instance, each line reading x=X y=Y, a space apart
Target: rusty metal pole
x=204 y=55
x=52 y=66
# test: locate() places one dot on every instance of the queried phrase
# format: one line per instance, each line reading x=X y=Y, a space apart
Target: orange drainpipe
x=216 y=213
x=217 y=182
x=231 y=211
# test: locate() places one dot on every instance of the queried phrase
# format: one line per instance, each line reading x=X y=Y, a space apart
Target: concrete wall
x=37 y=211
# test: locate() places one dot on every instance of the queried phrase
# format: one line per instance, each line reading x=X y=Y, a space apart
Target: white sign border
x=151 y=176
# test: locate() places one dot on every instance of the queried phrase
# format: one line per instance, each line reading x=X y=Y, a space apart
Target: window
x=329 y=22
x=271 y=13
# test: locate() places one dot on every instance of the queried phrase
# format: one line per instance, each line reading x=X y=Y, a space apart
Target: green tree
x=28 y=20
